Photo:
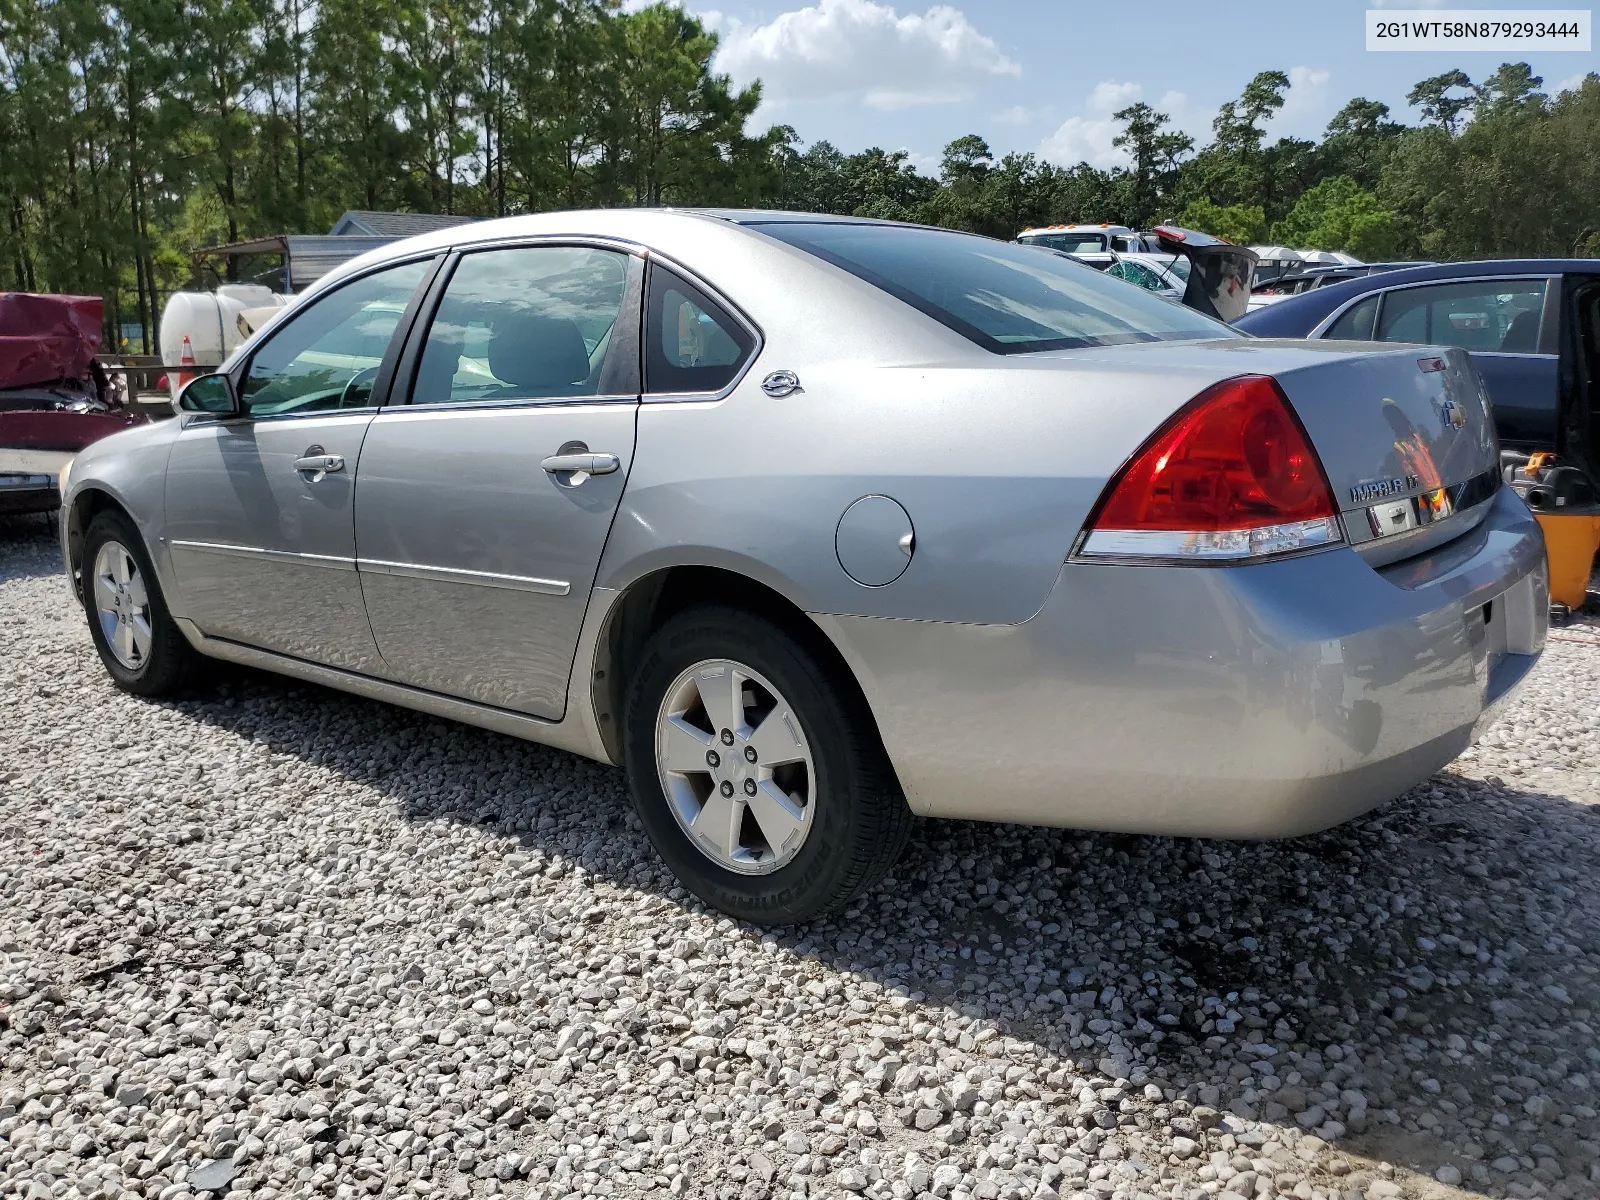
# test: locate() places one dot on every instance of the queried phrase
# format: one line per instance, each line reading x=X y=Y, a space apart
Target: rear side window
x=523 y=323
x=692 y=343
x=1007 y=298
x=1489 y=314
x=1357 y=322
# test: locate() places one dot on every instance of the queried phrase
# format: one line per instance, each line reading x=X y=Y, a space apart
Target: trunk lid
x=1406 y=438
x=1221 y=274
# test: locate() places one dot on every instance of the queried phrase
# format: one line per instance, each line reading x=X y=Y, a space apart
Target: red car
x=54 y=397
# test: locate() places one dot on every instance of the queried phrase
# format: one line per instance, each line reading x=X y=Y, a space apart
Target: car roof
x=1297 y=316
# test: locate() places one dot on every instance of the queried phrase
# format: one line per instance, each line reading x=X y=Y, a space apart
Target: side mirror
x=210 y=394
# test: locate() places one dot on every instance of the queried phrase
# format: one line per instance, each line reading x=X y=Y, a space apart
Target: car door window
x=1484 y=315
x=693 y=344
x=1356 y=323
x=327 y=355
x=524 y=323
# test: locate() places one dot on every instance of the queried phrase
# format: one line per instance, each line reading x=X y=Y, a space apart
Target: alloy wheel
x=735 y=766
x=122 y=605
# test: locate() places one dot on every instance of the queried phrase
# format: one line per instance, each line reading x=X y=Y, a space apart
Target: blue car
x=1519 y=319
x=1532 y=328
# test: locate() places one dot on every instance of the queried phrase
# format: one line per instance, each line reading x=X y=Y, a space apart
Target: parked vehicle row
x=815 y=524
x=1293 y=283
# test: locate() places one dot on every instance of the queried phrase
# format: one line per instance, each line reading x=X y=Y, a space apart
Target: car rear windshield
x=1007 y=298
x=1072 y=243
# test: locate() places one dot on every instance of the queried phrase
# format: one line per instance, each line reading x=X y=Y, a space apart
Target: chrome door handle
x=317 y=464
x=588 y=464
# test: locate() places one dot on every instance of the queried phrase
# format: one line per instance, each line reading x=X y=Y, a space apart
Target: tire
x=141 y=646
x=853 y=820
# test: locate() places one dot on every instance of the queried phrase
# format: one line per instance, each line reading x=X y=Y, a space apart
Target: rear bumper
x=28 y=479
x=1256 y=701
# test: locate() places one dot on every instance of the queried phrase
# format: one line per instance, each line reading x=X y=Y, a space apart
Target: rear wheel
x=141 y=646
x=759 y=780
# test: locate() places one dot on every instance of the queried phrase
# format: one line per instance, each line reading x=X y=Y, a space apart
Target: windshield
x=1007 y=298
x=1072 y=243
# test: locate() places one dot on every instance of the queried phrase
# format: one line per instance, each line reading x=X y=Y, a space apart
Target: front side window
x=692 y=343
x=527 y=323
x=998 y=294
x=1490 y=314
x=327 y=355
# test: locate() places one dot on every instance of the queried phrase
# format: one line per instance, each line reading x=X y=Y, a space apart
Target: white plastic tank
x=210 y=323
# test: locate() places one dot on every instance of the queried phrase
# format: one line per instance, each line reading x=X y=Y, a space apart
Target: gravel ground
x=275 y=941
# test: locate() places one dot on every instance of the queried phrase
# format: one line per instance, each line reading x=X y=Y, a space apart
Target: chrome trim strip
x=519 y=402
x=516 y=583
x=563 y=735
x=504 y=241
x=1393 y=547
x=331 y=561
x=1326 y=323
x=1422 y=510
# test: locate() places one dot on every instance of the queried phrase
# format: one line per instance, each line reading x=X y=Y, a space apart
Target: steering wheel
x=364 y=376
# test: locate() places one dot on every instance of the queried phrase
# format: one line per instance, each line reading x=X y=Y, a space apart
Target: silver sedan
x=814 y=525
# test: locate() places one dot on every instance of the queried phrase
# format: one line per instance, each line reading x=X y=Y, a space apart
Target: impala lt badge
x=1378 y=489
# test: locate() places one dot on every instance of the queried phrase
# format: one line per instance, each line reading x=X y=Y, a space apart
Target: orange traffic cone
x=186 y=359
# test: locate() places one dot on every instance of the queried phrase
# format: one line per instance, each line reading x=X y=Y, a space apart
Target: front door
x=484 y=503
x=260 y=515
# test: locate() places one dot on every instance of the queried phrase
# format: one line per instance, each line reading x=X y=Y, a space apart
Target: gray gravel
x=275 y=941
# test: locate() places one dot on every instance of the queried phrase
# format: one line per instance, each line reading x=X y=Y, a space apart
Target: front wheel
x=142 y=648
x=760 y=781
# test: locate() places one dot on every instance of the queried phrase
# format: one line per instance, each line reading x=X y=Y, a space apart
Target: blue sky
x=1045 y=76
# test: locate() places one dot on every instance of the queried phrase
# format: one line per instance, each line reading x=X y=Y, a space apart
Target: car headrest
x=1522 y=335
x=440 y=362
x=538 y=352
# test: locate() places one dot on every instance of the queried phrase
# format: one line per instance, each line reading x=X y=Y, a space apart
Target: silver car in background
x=814 y=524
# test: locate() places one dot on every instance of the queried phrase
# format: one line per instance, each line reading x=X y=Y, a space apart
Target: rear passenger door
x=486 y=498
x=1508 y=325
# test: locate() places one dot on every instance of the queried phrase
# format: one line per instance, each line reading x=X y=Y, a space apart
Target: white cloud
x=1572 y=84
x=1018 y=115
x=1306 y=106
x=1087 y=137
x=925 y=164
x=841 y=49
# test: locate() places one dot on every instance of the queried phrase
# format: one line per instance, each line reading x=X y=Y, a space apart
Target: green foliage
x=135 y=133
x=1338 y=214
x=1244 y=223
x=1433 y=97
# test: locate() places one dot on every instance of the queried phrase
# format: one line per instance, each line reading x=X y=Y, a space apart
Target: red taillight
x=1230 y=476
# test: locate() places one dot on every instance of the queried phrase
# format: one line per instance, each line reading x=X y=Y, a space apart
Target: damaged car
x=55 y=399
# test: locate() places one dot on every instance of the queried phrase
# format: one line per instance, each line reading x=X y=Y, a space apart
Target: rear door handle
x=589 y=464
